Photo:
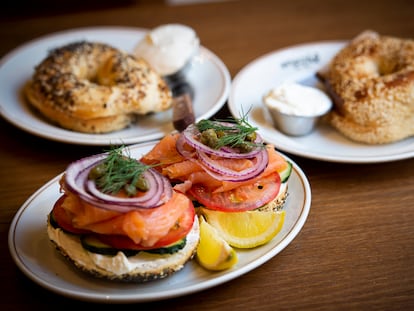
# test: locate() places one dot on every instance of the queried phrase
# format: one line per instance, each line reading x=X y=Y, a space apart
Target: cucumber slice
x=53 y=221
x=94 y=245
x=169 y=249
x=285 y=174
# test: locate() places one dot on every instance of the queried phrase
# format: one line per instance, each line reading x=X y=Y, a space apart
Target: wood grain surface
x=356 y=249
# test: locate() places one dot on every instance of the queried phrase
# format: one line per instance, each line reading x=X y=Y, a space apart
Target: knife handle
x=183 y=114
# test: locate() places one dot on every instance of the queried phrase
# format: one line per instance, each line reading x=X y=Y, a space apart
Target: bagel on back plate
x=92 y=87
x=120 y=220
x=371 y=81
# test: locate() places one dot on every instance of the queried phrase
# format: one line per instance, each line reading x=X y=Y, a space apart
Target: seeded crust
x=371 y=81
x=92 y=87
x=150 y=272
x=277 y=204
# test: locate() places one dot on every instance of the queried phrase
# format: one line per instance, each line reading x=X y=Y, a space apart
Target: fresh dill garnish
x=234 y=133
x=118 y=171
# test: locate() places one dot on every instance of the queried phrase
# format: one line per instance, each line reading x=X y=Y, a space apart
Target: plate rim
x=298 y=224
x=323 y=156
x=78 y=138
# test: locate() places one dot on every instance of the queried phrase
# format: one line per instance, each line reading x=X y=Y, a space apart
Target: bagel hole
x=94 y=79
x=387 y=66
x=379 y=67
x=99 y=79
x=385 y=69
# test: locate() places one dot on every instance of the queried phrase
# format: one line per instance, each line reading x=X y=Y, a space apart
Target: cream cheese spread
x=168 y=47
x=297 y=99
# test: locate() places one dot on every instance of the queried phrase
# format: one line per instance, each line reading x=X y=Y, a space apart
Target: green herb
x=118 y=171
x=235 y=133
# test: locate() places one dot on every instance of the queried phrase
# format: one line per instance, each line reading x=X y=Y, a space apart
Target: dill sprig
x=118 y=171
x=235 y=133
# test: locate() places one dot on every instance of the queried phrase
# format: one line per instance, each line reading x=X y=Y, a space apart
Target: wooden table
x=356 y=249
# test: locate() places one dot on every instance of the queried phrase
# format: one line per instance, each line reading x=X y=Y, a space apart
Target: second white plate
x=300 y=64
x=208 y=76
x=37 y=258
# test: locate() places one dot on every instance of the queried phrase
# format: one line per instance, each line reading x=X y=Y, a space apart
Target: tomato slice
x=179 y=231
x=244 y=198
x=63 y=219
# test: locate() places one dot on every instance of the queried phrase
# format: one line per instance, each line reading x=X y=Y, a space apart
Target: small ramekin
x=294 y=125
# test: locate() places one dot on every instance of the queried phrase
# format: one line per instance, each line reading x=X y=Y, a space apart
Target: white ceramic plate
x=36 y=257
x=300 y=64
x=207 y=74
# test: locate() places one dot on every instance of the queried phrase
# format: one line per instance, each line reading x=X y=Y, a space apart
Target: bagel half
x=140 y=268
x=92 y=87
x=371 y=81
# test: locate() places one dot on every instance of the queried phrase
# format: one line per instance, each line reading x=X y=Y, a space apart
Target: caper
x=131 y=190
x=142 y=184
x=251 y=136
x=220 y=134
x=209 y=138
x=97 y=171
x=245 y=147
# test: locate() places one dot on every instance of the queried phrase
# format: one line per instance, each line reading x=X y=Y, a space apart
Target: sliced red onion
x=220 y=172
x=77 y=182
x=191 y=133
x=180 y=146
x=151 y=198
x=77 y=172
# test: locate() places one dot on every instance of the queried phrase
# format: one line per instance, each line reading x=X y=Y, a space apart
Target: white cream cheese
x=168 y=47
x=297 y=99
x=282 y=189
x=121 y=264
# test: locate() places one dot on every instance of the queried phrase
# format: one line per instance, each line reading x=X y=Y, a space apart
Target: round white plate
x=300 y=64
x=207 y=74
x=36 y=257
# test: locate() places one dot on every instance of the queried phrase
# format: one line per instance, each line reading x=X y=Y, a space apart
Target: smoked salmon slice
x=143 y=226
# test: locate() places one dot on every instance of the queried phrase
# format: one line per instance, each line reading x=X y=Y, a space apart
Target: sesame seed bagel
x=371 y=81
x=140 y=268
x=93 y=87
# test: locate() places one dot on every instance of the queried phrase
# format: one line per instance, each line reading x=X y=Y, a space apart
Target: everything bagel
x=93 y=87
x=371 y=81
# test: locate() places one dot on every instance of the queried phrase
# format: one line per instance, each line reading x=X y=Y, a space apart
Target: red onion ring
x=180 y=146
x=78 y=171
x=223 y=173
x=151 y=198
x=191 y=132
x=77 y=182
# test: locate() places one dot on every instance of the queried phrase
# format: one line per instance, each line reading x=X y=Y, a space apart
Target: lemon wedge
x=214 y=253
x=245 y=229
